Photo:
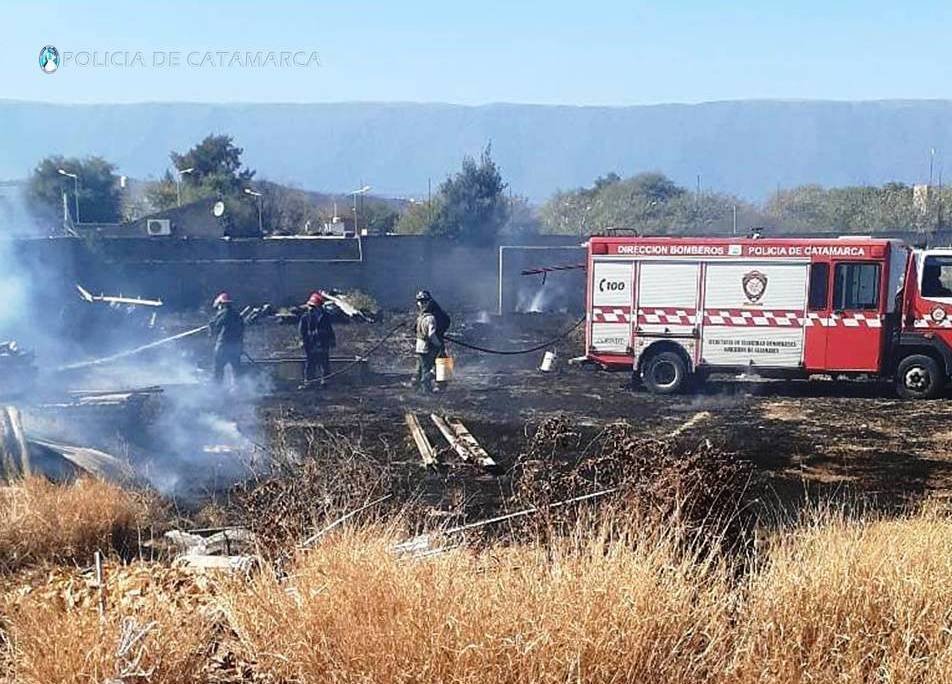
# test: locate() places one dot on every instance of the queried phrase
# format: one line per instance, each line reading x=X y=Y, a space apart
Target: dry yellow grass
x=585 y=610
x=851 y=601
x=41 y=521
x=830 y=600
x=50 y=644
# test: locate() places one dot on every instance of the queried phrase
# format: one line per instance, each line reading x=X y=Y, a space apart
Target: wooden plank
x=427 y=452
x=16 y=423
x=466 y=438
x=14 y=450
x=9 y=464
x=450 y=436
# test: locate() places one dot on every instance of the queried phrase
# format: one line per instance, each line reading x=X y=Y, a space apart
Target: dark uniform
x=432 y=323
x=228 y=330
x=317 y=336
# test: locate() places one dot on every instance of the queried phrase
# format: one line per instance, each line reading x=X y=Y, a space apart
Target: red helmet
x=316 y=299
x=222 y=298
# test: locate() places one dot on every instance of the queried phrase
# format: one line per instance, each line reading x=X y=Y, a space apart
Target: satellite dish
x=219 y=209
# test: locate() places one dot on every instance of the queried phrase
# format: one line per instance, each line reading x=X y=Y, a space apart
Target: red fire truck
x=675 y=310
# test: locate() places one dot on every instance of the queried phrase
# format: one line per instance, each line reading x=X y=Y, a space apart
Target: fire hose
x=359 y=359
x=516 y=352
x=122 y=355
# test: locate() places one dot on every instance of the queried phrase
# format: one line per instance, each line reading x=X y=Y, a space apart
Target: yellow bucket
x=444 y=368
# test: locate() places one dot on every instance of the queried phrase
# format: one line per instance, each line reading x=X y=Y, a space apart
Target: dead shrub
x=41 y=521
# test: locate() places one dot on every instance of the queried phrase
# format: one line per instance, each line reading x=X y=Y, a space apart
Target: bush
x=41 y=521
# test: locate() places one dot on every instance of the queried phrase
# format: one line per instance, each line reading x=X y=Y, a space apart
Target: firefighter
x=317 y=338
x=431 y=326
x=228 y=330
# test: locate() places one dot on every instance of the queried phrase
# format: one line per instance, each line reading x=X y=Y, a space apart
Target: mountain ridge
x=745 y=147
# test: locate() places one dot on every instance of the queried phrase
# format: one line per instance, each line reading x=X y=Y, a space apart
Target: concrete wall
x=188 y=273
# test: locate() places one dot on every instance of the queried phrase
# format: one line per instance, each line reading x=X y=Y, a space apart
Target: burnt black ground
x=816 y=439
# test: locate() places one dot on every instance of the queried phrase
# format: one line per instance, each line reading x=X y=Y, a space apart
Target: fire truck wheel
x=918 y=377
x=665 y=373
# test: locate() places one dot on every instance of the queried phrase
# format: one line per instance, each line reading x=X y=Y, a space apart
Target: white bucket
x=548 y=362
x=444 y=368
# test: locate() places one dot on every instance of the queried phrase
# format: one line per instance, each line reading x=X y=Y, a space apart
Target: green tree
x=215 y=165
x=650 y=203
x=99 y=194
x=474 y=207
x=419 y=217
x=378 y=217
x=523 y=219
x=163 y=194
x=214 y=169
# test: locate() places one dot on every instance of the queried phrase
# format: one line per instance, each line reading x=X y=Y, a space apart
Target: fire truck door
x=612 y=299
x=854 y=327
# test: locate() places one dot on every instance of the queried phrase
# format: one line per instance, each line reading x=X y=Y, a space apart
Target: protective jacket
x=317 y=333
x=227 y=327
x=432 y=324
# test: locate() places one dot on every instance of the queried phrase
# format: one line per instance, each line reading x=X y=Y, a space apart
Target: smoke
x=193 y=439
x=199 y=437
x=548 y=297
x=13 y=292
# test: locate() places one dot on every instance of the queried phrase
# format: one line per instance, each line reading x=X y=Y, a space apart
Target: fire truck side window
x=937 y=277
x=856 y=286
x=819 y=286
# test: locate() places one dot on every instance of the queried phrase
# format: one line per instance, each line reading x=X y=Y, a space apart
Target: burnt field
x=741 y=533
x=816 y=440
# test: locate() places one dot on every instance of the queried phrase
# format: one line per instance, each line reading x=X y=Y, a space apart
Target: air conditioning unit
x=157 y=227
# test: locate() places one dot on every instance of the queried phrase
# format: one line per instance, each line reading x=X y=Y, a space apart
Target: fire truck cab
x=674 y=310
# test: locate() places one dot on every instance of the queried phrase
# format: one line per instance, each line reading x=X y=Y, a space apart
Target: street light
x=75 y=178
x=363 y=190
x=178 y=183
x=257 y=196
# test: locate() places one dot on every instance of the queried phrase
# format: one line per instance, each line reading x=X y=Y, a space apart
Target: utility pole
x=697 y=197
x=931 y=164
x=735 y=219
x=361 y=191
x=178 y=183
x=75 y=178
x=257 y=196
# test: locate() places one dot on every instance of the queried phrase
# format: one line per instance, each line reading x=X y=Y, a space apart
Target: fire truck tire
x=665 y=373
x=919 y=377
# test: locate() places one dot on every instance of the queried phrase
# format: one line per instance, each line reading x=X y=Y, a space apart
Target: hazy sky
x=591 y=52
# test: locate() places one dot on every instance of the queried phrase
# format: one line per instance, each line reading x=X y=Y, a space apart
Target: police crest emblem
x=754 y=284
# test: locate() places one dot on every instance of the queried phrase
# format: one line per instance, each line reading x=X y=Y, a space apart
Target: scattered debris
x=211 y=542
x=698 y=417
x=64 y=462
x=427 y=452
x=204 y=564
x=253 y=314
x=87 y=296
x=466 y=438
x=346 y=307
x=310 y=541
x=422 y=545
x=462 y=442
x=17 y=369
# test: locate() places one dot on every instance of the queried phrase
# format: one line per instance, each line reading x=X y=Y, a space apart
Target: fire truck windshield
x=937 y=276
